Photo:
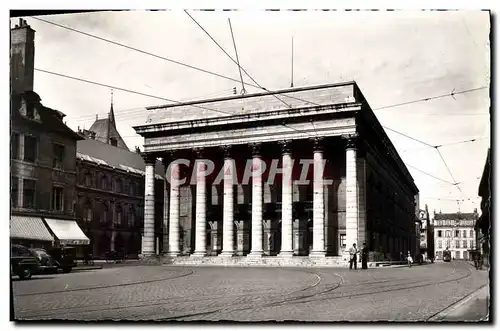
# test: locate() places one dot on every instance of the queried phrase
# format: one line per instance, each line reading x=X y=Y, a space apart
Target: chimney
x=22 y=57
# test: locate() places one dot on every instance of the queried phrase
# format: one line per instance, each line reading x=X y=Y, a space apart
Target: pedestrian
x=364 y=257
x=410 y=259
x=353 y=252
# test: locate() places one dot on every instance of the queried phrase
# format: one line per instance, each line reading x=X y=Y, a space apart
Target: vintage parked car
x=47 y=263
x=65 y=257
x=23 y=262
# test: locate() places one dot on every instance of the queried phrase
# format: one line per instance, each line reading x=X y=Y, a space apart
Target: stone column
x=201 y=208
x=361 y=180
x=166 y=198
x=174 y=210
x=148 y=247
x=228 y=212
x=351 y=193
x=318 y=202
x=286 y=201
x=256 y=202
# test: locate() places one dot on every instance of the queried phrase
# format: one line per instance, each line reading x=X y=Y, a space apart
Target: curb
x=459 y=307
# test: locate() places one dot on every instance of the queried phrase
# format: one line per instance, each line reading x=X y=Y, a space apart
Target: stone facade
x=455 y=231
x=43 y=148
x=110 y=199
x=357 y=190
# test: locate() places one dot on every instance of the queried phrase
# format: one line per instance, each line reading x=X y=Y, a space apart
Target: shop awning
x=68 y=232
x=30 y=228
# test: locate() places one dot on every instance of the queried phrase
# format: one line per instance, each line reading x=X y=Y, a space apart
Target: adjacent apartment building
x=42 y=158
x=456 y=232
x=110 y=191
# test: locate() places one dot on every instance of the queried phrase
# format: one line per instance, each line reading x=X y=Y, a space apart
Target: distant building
x=484 y=222
x=426 y=235
x=42 y=158
x=455 y=231
x=110 y=191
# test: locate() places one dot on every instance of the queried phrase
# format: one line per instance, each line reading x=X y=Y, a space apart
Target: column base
x=199 y=254
x=256 y=254
x=227 y=254
x=317 y=254
x=172 y=254
x=286 y=254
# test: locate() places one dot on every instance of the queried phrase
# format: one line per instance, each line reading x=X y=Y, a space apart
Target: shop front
x=30 y=231
x=68 y=233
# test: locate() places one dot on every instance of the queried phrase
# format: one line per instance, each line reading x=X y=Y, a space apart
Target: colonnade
x=172 y=202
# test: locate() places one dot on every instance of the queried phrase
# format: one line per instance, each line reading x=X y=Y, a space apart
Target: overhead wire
x=131 y=91
x=164 y=58
x=126 y=90
x=452 y=94
x=230 y=57
x=446 y=144
x=120 y=113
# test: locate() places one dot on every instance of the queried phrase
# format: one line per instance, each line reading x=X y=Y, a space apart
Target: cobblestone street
x=247 y=294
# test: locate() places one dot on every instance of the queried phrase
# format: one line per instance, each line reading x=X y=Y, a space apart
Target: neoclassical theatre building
x=298 y=172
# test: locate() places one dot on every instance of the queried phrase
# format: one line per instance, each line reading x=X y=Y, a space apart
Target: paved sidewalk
x=473 y=308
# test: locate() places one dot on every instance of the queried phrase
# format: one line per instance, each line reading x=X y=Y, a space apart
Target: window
x=88 y=214
x=14 y=145
x=465 y=233
x=457 y=254
x=472 y=244
x=88 y=179
x=58 y=151
x=118 y=216
x=57 y=198
x=118 y=185
x=14 y=191
x=342 y=241
x=113 y=141
x=29 y=187
x=457 y=243
x=440 y=244
x=457 y=233
x=471 y=233
x=440 y=233
x=30 y=110
x=30 y=148
x=87 y=211
x=131 y=217
x=103 y=183
x=447 y=244
x=132 y=188
x=464 y=243
x=448 y=233
x=104 y=213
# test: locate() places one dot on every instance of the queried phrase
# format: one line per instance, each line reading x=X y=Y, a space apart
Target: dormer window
x=113 y=141
x=30 y=111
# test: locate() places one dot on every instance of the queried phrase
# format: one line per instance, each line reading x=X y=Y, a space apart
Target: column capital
x=149 y=158
x=351 y=140
x=317 y=144
x=256 y=148
x=286 y=146
x=227 y=150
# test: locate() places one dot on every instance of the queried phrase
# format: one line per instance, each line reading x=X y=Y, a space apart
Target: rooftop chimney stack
x=22 y=57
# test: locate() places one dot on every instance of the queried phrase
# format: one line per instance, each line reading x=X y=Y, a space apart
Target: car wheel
x=24 y=273
x=67 y=270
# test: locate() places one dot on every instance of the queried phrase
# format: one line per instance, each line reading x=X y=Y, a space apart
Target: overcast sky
x=395 y=57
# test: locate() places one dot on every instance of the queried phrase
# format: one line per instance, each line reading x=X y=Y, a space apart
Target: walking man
x=353 y=253
x=410 y=259
x=364 y=257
